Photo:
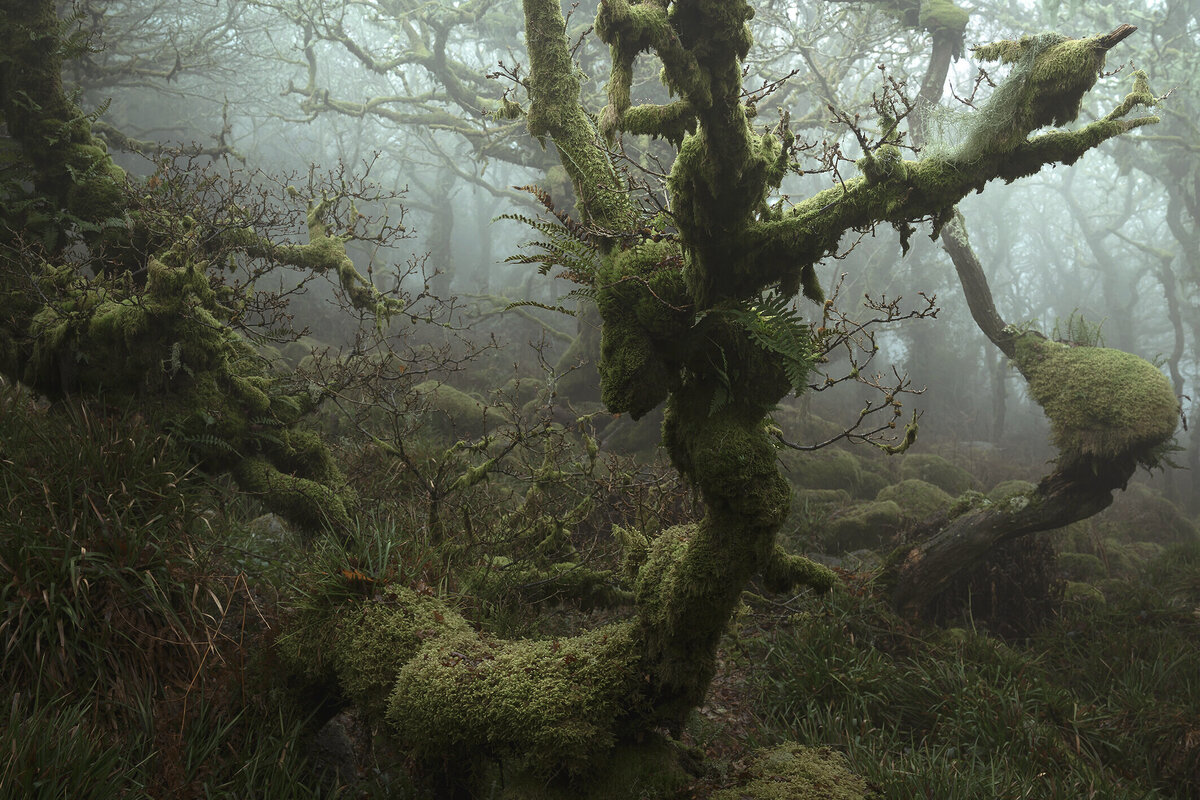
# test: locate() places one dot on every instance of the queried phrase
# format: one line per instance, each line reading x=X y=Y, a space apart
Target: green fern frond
x=565 y=243
x=536 y=304
x=777 y=327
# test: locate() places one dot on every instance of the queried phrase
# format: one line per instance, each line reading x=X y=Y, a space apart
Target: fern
x=777 y=327
x=565 y=243
x=1079 y=331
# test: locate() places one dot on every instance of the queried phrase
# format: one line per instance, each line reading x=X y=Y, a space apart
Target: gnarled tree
x=688 y=321
x=679 y=317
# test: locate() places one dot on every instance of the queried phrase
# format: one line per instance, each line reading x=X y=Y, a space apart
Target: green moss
x=1011 y=488
x=643 y=303
x=793 y=772
x=943 y=17
x=1084 y=594
x=1051 y=74
x=544 y=706
x=375 y=639
x=786 y=571
x=633 y=378
x=313 y=505
x=868 y=524
x=1141 y=512
x=453 y=410
x=1103 y=404
x=971 y=500
x=1081 y=566
x=936 y=470
x=917 y=499
x=831 y=468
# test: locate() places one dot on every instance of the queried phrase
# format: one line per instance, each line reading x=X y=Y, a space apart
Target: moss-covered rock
x=544 y=706
x=793 y=772
x=1084 y=594
x=934 y=469
x=1103 y=404
x=1081 y=566
x=917 y=499
x=1011 y=488
x=452 y=410
x=831 y=468
x=1142 y=513
x=868 y=524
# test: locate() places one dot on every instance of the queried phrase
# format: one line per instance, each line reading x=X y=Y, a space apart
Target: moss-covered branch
x=151 y=327
x=555 y=111
x=898 y=191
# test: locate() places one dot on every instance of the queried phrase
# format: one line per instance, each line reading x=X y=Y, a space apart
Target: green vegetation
x=1098 y=703
x=162 y=643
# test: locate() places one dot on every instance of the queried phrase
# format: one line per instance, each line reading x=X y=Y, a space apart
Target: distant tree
x=115 y=287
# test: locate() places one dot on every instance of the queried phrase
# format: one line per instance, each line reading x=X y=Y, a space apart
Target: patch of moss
x=1011 y=488
x=453 y=410
x=934 y=469
x=1081 y=566
x=544 y=706
x=1103 y=404
x=831 y=468
x=793 y=772
x=916 y=498
x=1142 y=512
x=1085 y=594
x=869 y=525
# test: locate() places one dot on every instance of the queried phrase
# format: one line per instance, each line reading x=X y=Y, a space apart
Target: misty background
x=412 y=104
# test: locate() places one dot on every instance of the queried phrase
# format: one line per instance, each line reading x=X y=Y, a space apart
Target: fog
x=419 y=107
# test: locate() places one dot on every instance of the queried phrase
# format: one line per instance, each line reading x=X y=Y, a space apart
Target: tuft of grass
x=51 y=749
x=129 y=634
x=1102 y=703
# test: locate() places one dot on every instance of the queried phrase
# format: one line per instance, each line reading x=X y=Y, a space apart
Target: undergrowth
x=1103 y=702
x=130 y=638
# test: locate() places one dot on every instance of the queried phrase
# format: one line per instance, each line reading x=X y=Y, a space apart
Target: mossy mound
x=1103 y=404
x=802 y=426
x=865 y=525
x=1081 y=566
x=934 y=469
x=917 y=499
x=1083 y=594
x=1142 y=513
x=825 y=469
x=793 y=772
x=453 y=410
x=454 y=695
x=1006 y=489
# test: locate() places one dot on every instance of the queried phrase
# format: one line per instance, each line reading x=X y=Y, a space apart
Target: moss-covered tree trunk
x=148 y=325
x=1109 y=411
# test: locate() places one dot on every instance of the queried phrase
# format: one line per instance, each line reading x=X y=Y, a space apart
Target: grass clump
x=1101 y=703
x=130 y=638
